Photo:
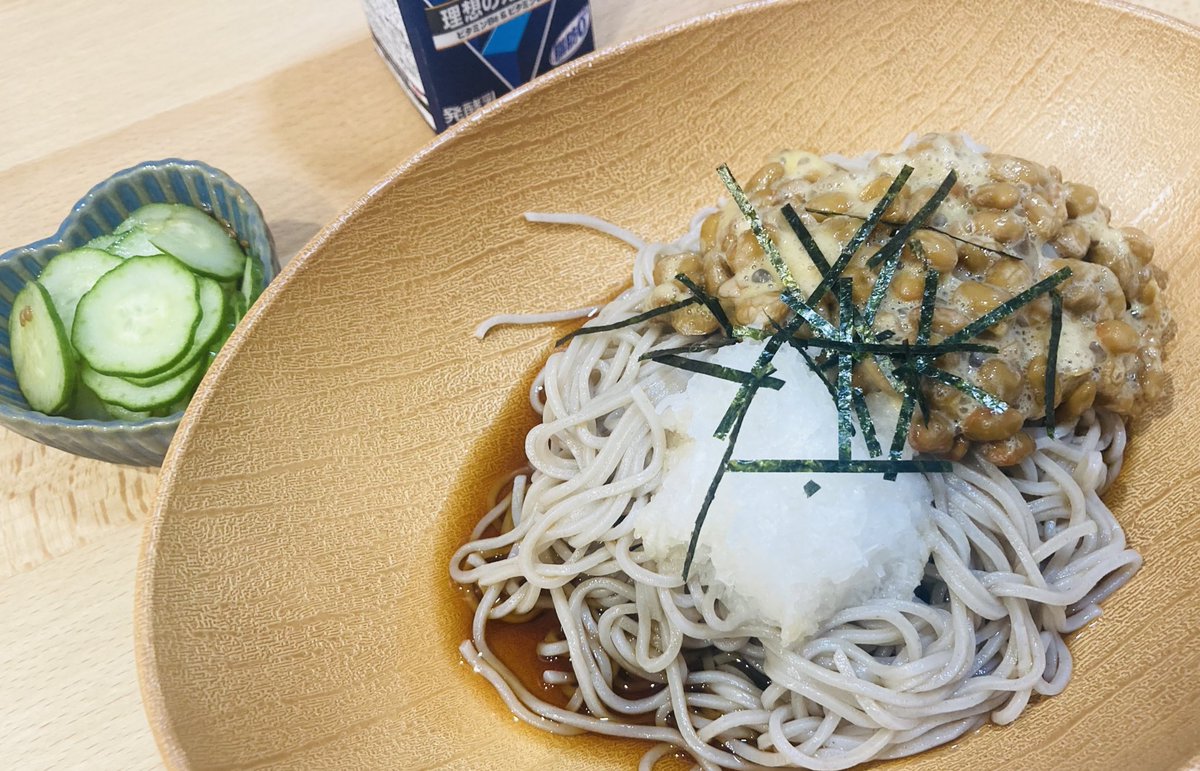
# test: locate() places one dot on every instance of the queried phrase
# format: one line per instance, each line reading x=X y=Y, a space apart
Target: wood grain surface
x=290 y=98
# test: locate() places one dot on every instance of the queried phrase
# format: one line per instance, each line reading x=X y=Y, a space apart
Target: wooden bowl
x=294 y=607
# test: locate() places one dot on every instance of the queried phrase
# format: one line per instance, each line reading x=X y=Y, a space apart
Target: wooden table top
x=290 y=98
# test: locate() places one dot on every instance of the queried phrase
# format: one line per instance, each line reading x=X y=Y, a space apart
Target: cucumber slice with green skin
x=134 y=243
x=139 y=319
x=198 y=241
x=120 y=413
x=103 y=242
x=150 y=215
x=214 y=312
x=175 y=407
x=71 y=275
x=42 y=357
x=252 y=281
x=86 y=405
x=122 y=393
x=239 y=308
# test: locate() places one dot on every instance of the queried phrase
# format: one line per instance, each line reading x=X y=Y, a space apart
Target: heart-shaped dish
x=141 y=442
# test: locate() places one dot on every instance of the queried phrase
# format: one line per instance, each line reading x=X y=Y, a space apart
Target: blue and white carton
x=454 y=57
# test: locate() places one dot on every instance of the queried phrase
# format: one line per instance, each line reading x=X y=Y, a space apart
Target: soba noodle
x=1020 y=558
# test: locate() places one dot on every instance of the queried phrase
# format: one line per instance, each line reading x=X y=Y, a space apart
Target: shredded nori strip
x=756 y=227
x=865 y=421
x=812 y=364
x=1009 y=307
x=710 y=302
x=806 y=240
x=900 y=350
x=910 y=388
x=629 y=322
x=818 y=322
x=896 y=243
x=928 y=299
x=845 y=391
x=811 y=488
x=762 y=367
x=1056 y=320
x=795 y=465
x=882 y=282
x=712 y=487
x=992 y=402
x=718 y=371
x=861 y=235
x=701 y=347
x=895 y=227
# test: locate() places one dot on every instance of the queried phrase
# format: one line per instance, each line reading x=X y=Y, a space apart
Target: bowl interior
x=103 y=208
x=294 y=605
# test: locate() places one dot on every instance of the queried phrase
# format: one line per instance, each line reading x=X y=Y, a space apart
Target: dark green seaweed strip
x=756 y=227
x=911 y=387
x=796 y=465
x=900 y=437
x=914 y=383
x=707 y=345
x=845 y=391
x=860 y=237
x=818 y=322
x=928 y=300
x=762 y=367
x=712 y=490
x=919 y=252
x=710 y=302
x=1009 y=307
x=900 y=350
x=741 y=400
x=1056 y=320
x=882 y=282
x=806 y=240
x=845 y=399
x=718 y=371
x=812 y=364
x=959 y=239
x=811 y=488
x=629 y=322
x=992 y=402
x=901 y=236
x=866 y=423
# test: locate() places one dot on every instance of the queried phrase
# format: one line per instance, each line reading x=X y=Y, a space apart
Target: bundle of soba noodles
x=823 y=485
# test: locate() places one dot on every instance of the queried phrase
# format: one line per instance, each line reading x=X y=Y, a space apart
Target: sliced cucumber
x=120 y=392
x=120 y=413
x=175 y=407
x=150 y=215
x=214 y=311
x=252 y=281
x=86 y=405
x=198 y=241
x=139 y=319
x=239 y=307
x=134 y=243
x=103 y=242
x=70 y=275
x=42 y=357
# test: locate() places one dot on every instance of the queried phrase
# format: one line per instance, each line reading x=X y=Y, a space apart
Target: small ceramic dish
x=140 y=442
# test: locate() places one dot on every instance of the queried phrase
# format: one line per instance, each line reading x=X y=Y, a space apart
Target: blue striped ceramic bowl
x=142 y=442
